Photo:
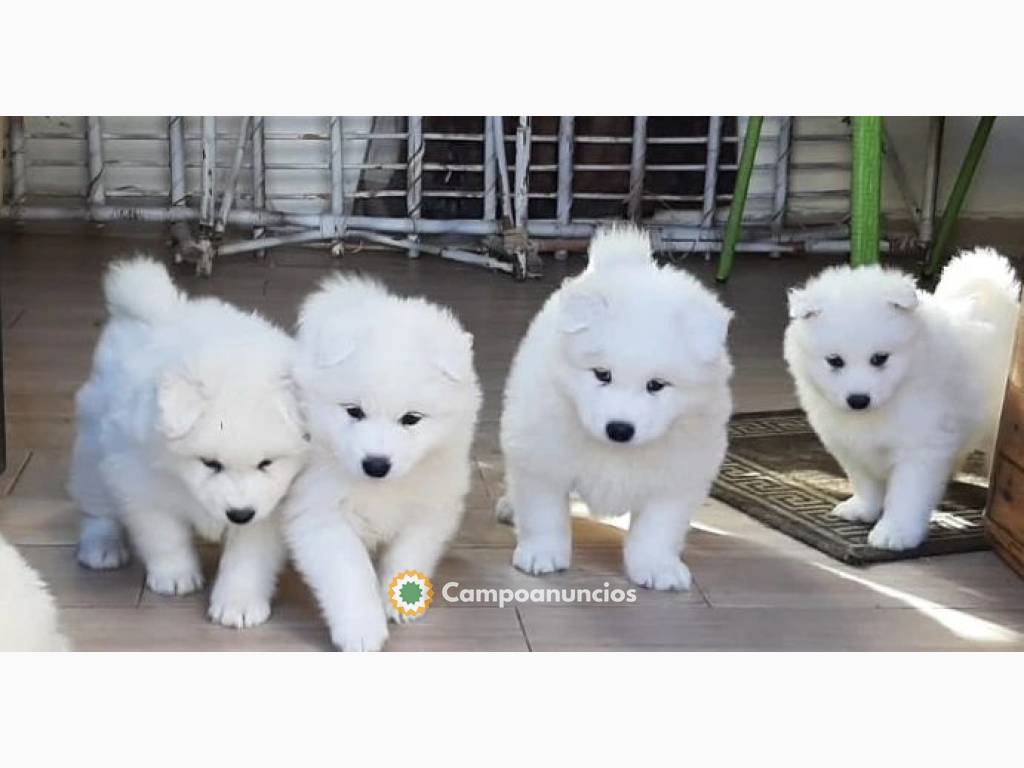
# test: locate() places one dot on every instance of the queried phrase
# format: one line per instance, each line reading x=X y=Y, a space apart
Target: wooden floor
x=754 y=589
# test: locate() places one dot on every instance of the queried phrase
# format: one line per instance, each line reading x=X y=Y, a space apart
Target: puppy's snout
x=376 y=466
x=858 y=402
x=619 y=431
x=242 y=515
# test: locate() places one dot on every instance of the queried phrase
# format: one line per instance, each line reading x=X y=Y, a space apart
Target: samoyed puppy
x=391 y=397
x=187 y=424
x=902 y=385
x=618 y=392
x=28 y=616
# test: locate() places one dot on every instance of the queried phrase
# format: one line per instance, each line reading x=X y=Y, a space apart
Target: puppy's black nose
x=858 y=402
x=241 y=516
x=619 y=431
x=376 y=466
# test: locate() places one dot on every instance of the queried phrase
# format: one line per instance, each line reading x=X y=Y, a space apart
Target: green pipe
x=866 y=191
x=734 y=224
x=958 y=195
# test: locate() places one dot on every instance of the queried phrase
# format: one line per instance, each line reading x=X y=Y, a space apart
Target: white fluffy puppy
x=391 y=397
x=28 y=616
x=620 y=392
x=188 y=423
x=902 y=385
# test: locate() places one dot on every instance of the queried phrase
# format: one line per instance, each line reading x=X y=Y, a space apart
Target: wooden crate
x=1005 y=513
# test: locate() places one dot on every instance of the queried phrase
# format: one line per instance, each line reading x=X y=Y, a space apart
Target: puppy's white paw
x=368 y=633
x=542 y=556
x=856 y=510
x=174 y=582
x=103 y=554
x=238 y=610
x=665 y=572
x=504 y=512
x=897 y=536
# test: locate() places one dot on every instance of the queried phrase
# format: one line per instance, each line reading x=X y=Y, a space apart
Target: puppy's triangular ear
x=801 y=305
x=179 y=404
x=580 y=309
x=903 y=294
x=455 y=359
x=707 y=332
x=334 y=343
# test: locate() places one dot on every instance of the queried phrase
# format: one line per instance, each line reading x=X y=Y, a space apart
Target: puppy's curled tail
x=621 y=246
x=988 y=281
x=140 y=289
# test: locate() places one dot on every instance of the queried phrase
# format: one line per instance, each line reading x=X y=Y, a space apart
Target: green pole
x=866 y=192
x=958 y=195
x=739 y=198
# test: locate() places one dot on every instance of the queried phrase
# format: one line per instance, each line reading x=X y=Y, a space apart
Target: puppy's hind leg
x=543 y=525
x=101 y=543
x=655 y=538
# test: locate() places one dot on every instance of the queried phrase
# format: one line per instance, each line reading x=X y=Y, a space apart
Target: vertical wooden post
x=259 y=177
x=19 y=183
x=930 y=194
x=208 y=164
x=710 y=205
x=783 y=147
x=634 y=202
x=414 y=177
x=522 y=172
x=236 y=170
x=490 y=174
x=566 y=135
x=95 y=193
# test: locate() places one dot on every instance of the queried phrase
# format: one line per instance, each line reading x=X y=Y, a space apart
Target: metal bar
x=930 y=194
x=522 y=171
x=734 y=224
x=634 y=204
x=714 y=141
x=176 y=145
x=414 y=174
x=490 y=171
x=236 y=169
x=208 y=165
x=500 y=153
x=18 y=181
x=959 y=194
x=337 y=169
x=566 y=129
x=3 y=163
x=259 y=177
x=892 y=158
x=783 y=153
x=866 y=191
x=95 y=194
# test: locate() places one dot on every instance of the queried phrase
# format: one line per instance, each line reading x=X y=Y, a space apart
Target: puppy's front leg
x=543 y=526
x=916 y=486
x=418 y=547
x=336 y=565
x=253 y=556
x=865 y=505
x=655 y=538
x=164 y=543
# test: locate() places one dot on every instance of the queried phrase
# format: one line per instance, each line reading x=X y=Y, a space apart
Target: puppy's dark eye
x=355 y=412
x=879 y=359
x=213 y=464
x=835 y=361
x=656 y=385
x=264 y=464
x=603 y=375
x=410 y=419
